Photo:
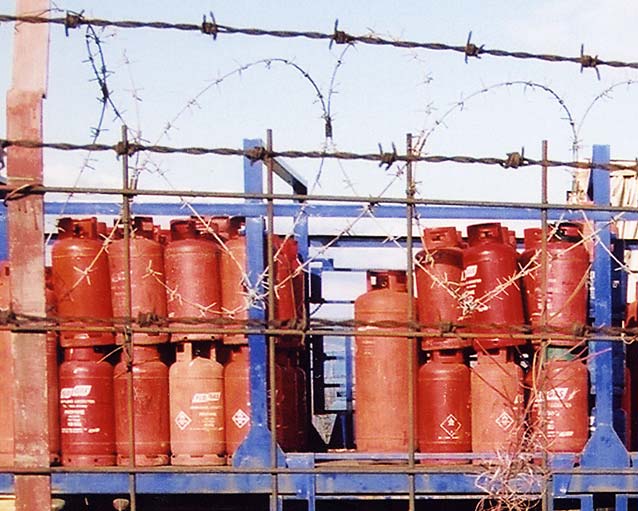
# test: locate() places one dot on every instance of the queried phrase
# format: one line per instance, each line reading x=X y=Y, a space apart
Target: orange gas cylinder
x=191 y=261
x=382 y=365
x=286 y=402
x=233 y=268
x=237 y=395
x=81 y=281
x=443 y=405
x=491 y=298
x=497 y=403
x=197 y=407
x=560 y=406
x=86 y=409
x=567 y=279
x=438 y=271
x=148 y=291
x=150 y=408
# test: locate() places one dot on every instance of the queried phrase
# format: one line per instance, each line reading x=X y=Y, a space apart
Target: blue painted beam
x=255 y=450
x=336 y=210
x=604 y=448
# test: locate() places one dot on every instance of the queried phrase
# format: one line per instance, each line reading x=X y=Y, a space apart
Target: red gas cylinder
x=237 y=394
x=497 y=403
x=438 y=271
x=235 y=301
x=567 y=278
x=290 y=249
x=560 y=406
x=148 y=289
x=193 y=280
x=491 y=298
x=197 y=407
x=443 y=405
x=382 y=365
x=286 y=402
x=86 y=409
x=150 y=408
x=285 y=307
x=81 y=281
x=302 y=402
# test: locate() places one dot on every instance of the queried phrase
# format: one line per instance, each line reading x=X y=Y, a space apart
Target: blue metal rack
x=604 y=467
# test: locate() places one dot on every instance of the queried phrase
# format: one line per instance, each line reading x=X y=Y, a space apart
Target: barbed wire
x=513 y=160
x=212 y=28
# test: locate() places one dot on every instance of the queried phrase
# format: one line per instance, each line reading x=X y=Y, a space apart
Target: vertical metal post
x=270 y=226
x=604 y=448
x=255 y=451
x=546 y=502
x=127 y=353
x=26 y=257
x=409 y=213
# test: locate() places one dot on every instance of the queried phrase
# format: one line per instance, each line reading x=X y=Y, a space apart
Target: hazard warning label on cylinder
x=240 y=418
x=182 y=420
x=450 y=425
x=505 y=421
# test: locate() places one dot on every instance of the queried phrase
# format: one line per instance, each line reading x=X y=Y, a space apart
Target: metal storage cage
x=331 y=476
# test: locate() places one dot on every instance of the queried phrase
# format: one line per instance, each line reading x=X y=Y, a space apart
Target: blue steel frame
x=605 y=465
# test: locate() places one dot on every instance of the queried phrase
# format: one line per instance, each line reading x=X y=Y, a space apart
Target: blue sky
x=379 y=94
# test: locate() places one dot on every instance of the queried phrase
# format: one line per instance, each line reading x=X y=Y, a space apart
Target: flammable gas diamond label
x=505 y=421
x=240 y=418
x=182 y=420
x=450 y=425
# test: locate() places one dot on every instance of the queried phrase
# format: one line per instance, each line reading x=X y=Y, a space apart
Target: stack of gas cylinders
x=189 y=399
x=477 y=303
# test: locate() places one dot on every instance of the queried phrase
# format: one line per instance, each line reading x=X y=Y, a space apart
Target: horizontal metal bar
x=383 y=208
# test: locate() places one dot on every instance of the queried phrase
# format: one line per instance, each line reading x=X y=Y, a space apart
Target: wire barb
x=340 y=37
x=210 y=27
x=471 y=49
x=72 y=20
x=388 y=159
x=122 y=148
x=514 y=160
x=588 y=61
x=256 y=154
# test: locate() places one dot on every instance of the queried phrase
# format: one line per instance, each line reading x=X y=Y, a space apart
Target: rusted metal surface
x=26 y=236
